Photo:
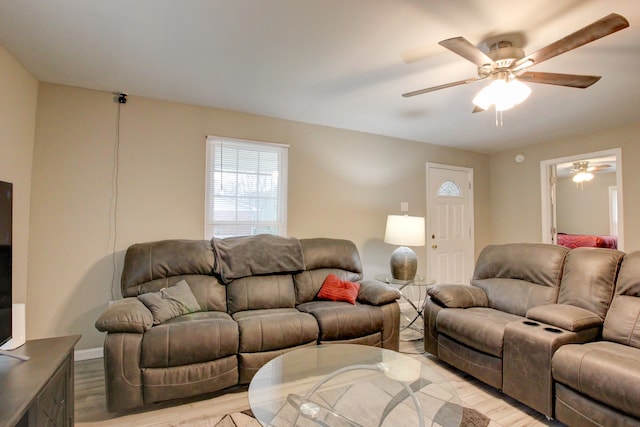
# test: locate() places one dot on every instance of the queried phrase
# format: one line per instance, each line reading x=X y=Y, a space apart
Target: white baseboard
x=90 y=353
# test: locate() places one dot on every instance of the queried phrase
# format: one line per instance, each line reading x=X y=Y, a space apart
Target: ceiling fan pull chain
x=498 y=118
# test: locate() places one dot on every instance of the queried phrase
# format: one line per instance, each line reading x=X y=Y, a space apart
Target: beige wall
x=18 y=97
x=515 y=187
x=341 y=184
x=584 y=209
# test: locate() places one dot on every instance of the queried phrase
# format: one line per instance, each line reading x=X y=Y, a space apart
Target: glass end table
x=412 y=328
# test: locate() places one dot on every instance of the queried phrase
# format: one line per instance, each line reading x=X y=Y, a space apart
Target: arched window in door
x=449 y=189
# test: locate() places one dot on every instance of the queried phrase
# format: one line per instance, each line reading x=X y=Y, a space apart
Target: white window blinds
x=246 y=188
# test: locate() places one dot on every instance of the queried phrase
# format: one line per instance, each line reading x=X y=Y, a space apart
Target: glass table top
x=351 y=385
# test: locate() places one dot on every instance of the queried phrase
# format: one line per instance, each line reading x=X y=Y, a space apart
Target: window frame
x=213 y=166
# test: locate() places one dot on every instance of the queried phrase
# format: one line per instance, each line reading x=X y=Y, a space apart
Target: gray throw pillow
x=170 y=302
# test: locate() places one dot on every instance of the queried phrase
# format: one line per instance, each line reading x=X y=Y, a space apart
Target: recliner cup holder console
x=531 y=323
x=553 y=330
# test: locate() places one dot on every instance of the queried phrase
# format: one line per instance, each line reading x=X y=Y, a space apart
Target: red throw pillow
x=335 y=289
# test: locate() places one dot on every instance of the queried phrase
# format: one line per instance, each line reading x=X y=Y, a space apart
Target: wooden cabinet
x=39 y=391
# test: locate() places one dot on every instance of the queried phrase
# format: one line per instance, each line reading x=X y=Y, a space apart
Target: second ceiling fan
x=506 y=65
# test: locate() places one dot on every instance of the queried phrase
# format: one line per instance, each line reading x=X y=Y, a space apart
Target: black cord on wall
x=113 y=224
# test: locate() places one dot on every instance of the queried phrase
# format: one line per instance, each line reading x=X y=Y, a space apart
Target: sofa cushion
x=458 y=296
x=170 y=302
x=622 y=323
x=274 y=329
x=519 y=276
x=145 y=262
x=334 y=289
x=343 y=321
x=516 y=296
x=479 y=328
x=604 y=371
x=191 y=338
x=589 y=277
x=331 y=253
x=261 y=292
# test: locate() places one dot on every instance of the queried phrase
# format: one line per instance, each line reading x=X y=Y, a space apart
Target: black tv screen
x=6 y=221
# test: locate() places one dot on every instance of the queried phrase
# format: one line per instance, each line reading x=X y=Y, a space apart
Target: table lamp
x=405 y=231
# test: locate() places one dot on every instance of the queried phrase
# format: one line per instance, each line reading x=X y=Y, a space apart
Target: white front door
x=449 y=224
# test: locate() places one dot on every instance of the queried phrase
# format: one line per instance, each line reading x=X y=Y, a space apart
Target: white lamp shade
x=405 y=230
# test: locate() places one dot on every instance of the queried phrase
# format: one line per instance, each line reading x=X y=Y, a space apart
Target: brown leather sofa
x=525 y=302
x=257 y=299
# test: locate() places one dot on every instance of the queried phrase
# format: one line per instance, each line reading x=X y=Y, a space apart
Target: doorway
x=450 y=218
x=556 y=215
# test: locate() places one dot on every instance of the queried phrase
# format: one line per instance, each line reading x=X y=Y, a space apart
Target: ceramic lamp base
x=404 y=264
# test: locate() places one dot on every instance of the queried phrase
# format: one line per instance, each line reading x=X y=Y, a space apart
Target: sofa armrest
x=567 y=317
x=374 y=292
x=458 y=296
x=125 y=315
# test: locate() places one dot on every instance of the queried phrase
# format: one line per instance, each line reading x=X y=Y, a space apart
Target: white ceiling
x=334 y=62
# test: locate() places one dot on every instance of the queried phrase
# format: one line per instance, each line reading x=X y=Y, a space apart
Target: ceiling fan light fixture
x=484 y=98
x=504 y=94
x=582 y=177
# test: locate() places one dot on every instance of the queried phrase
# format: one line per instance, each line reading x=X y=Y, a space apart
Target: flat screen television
x=6 y=221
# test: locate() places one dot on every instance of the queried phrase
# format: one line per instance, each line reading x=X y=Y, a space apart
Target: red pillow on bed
x=335 y=289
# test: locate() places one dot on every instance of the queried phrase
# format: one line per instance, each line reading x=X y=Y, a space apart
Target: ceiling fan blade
x=570 y=80
x=444 y=86
x=600 y=28
x=464 y=48
x=477 y=109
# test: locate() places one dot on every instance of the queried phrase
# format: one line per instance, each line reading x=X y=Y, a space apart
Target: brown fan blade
x=464 y=48
x=477 y=109
x=600 y=28
x=444 y=86
x=570 y=80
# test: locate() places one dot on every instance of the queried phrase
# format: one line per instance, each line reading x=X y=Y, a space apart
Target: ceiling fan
x=583 y=166
x=582 y=172
x=506 y=64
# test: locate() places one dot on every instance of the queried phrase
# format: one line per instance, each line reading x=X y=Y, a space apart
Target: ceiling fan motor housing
x=504 y=54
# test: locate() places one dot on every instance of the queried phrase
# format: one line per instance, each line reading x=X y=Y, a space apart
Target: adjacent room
x=241 y=156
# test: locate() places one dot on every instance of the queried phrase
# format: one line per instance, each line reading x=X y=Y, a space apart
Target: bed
x=587 y=240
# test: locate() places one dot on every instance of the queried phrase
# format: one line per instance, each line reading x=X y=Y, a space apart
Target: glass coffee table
x=351 y=385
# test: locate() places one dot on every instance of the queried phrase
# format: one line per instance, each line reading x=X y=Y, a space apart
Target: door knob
x=434 y=246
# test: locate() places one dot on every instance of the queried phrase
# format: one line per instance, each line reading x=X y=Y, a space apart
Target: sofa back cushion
x=589 y=278
x=324 y=256
x=145 y=262
x=151 y=266
x=518 y=276
x=261 y=292
x=622 y=323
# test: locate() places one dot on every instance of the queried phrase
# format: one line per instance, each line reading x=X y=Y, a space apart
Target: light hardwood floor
x=90 y=408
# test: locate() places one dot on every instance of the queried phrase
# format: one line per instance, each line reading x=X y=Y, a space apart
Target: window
x=246 y=188
x=449 y=189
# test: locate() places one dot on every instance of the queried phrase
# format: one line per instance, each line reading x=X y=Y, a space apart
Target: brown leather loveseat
x=526 y=303
x=250 y=299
